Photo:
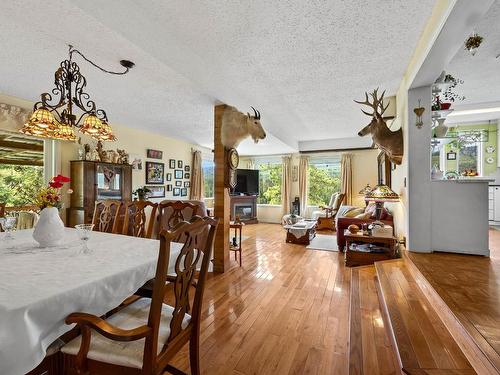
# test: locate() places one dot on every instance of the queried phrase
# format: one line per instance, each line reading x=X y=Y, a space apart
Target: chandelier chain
x=74 y=50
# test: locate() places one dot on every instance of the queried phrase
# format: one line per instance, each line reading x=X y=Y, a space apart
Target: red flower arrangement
x=50 y=196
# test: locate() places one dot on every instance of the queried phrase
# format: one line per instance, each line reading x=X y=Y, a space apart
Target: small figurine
x=122 y=157
x=113 y=156
x=87 y=155
x=103 y=155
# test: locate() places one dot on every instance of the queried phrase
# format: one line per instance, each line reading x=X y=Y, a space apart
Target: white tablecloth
x=40 y=287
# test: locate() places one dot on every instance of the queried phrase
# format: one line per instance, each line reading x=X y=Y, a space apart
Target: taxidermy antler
x=390 y=142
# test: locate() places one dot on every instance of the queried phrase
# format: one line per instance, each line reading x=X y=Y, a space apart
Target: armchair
x=326 y=217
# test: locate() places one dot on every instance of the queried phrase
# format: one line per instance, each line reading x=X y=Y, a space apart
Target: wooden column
x=221 y=196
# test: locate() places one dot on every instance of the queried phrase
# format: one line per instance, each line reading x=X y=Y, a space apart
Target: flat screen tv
x=247 y=182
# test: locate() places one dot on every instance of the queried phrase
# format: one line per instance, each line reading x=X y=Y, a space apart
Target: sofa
x=343 y=220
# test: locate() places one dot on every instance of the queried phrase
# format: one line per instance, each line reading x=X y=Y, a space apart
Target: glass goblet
x=8 y=225
x=84 y=232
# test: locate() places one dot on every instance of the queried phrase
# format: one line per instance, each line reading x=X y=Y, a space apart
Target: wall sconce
x=419 y=112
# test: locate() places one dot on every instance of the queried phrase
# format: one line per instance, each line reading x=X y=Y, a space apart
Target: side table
x=235 y=245
x=362 y=250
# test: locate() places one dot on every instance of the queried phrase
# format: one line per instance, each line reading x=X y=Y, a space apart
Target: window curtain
x=346 y=174
x=197 y=191
x=286 y=184
x=303 y=188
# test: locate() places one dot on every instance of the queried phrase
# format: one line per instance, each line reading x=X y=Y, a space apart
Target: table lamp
x=365 y=191
x=381 y=194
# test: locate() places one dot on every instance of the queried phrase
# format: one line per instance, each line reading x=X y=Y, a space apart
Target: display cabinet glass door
x=109 y=182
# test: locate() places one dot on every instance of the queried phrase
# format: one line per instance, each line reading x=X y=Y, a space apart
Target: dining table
x=40 y=287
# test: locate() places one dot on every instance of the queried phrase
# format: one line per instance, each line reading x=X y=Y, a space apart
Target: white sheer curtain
x=303 y=183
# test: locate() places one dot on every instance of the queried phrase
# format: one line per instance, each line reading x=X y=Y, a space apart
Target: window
x=270 y=182
x=21 y=169
x=324 y=180
x=208 y=177
x=469 y=158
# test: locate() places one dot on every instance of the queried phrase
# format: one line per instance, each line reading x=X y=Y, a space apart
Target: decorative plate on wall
x=490 y=149
x=490 y=160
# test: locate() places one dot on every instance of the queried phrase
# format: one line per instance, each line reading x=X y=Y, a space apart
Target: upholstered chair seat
x=126 y=353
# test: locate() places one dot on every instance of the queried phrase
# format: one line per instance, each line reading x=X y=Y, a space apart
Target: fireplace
x=244 y=206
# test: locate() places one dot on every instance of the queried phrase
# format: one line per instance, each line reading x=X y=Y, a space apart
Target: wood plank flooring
x=371 y=351
x=470 y=286
x=286 y=311
x=423 y=341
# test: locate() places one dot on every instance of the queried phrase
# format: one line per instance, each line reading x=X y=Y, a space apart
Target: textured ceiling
x=299 y=62
x=480 y=73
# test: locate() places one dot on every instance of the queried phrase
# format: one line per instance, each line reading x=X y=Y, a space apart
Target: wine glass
x=8 y=225
x=84 y=232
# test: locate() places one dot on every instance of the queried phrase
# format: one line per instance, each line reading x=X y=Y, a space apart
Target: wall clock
x=233 y=160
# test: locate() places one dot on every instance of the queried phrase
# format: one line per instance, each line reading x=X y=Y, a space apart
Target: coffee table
x=301 y=233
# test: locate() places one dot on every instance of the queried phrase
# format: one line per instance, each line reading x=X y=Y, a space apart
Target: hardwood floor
x=470 y=286
x=371 y=350
x=286 y=311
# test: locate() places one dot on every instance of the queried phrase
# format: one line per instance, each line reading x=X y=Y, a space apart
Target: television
x=247 y=182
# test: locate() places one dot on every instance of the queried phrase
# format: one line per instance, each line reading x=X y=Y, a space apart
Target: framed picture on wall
x=178 y=174
x=452 y=155
x=179 y=164
x=187 y=168
x=177 y=192
x=184 y=192
x=187 y=176
x=169 y=187
x=154 y=154
x=178 y=183
x=156 y=191
x=155 y=172
x=171 y=163
x=187 y=184
x=169 y=176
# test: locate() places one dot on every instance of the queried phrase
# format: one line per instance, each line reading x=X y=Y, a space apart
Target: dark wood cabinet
x=244 y=206
x=92 y=181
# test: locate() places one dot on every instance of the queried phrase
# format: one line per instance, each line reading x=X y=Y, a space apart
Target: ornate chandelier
x=54 y=117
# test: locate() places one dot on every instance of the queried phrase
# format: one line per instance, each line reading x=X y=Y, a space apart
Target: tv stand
x=244 y=206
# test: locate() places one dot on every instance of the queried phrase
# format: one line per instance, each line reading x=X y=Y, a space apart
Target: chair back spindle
x=106 y=216
x=137 y=221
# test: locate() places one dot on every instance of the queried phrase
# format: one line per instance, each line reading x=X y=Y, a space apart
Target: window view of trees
x=19 y=184
x=208 y=176
x=468 y=158
x=270 y=183
x=324 y=180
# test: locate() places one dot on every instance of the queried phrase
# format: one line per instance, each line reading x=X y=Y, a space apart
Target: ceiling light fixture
x=55 y=118
x=473 y=42
x=474 y=111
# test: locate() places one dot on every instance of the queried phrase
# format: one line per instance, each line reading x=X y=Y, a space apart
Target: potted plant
x=449 y=94
x=141 y=193
x=49 y=230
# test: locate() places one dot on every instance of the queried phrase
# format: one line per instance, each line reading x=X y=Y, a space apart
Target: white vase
x=49 y=230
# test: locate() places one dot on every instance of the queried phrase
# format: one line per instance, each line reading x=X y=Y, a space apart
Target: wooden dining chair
x=137 y=222
x=106 y=216
x=170 y=213
x=2 y=209
x=143 y=337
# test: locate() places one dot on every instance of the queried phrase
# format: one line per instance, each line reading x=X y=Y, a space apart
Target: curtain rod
x=337 y=150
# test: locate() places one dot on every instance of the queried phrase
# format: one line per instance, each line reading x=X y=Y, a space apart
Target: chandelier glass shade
x=54 y=117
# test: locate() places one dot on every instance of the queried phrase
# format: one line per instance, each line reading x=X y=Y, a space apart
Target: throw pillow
x=354 y=212
x=363 y=216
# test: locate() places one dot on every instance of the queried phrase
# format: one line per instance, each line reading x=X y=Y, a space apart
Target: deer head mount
x=390 y=142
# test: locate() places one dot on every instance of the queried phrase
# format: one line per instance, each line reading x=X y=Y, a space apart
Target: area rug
x=323 y=242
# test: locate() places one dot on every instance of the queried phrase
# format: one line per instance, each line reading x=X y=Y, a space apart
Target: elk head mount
x=390 y=142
